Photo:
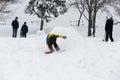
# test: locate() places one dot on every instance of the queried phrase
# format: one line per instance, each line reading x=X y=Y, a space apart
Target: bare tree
x=80 y=8
x=92 y=7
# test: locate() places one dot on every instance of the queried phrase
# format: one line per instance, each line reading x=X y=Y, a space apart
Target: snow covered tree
x=80 y=8
x=46 y=9
x=3 y=7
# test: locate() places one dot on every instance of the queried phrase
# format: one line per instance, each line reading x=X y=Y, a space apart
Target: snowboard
x=48 y=52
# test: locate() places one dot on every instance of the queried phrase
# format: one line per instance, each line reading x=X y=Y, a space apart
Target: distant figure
x=15 y=26
x=51 y=41
x=24 y=30
x=109 y=29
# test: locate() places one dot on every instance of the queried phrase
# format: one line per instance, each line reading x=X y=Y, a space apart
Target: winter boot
x=57 y=49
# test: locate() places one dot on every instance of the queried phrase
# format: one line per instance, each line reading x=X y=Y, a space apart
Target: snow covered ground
x=80 y=58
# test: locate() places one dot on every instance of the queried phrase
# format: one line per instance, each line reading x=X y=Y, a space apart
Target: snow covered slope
x=82 y=59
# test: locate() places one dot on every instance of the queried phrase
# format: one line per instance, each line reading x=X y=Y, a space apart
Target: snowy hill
x=83 y=58
x=80 y=58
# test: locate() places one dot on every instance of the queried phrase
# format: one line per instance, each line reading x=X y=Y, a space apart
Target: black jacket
x=109 y=26
x=15 y=24
x=24 y=28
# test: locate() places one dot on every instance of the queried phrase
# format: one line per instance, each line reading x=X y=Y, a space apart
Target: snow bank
x=80 y=58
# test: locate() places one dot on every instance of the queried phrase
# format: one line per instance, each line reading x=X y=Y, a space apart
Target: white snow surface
x=80 y=57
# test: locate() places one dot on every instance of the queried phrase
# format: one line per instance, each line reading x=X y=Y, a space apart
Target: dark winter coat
x=15 y=24
x=109 y=26
x=24 y=28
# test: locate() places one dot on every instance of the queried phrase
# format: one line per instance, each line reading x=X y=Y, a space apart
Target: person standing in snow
x=15 y=26
x=109 y=29
x=51 y=41
x=24 y=30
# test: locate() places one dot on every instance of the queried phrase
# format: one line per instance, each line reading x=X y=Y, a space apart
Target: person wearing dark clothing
x=15 y=26
x=51 y=41
x=24 y=30
x=109 y=29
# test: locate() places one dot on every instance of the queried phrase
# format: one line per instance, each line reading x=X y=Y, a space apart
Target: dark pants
x=50 y=46
x=51 y=43
x=14 y=33
x=24 y=35
x=109 y=35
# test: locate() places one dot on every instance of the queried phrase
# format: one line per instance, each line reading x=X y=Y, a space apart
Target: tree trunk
x=80 y=18
x=94 y=17
x=89 y=23
x=89 y=28
x=41 y=26
x=79 y=21
x=94 y=27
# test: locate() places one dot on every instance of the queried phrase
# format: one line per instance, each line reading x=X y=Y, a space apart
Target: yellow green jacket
x=50 y=35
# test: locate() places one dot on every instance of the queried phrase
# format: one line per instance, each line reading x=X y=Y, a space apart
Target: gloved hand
x=64 y=37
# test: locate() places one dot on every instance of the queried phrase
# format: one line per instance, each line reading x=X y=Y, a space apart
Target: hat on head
x=16 y=17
